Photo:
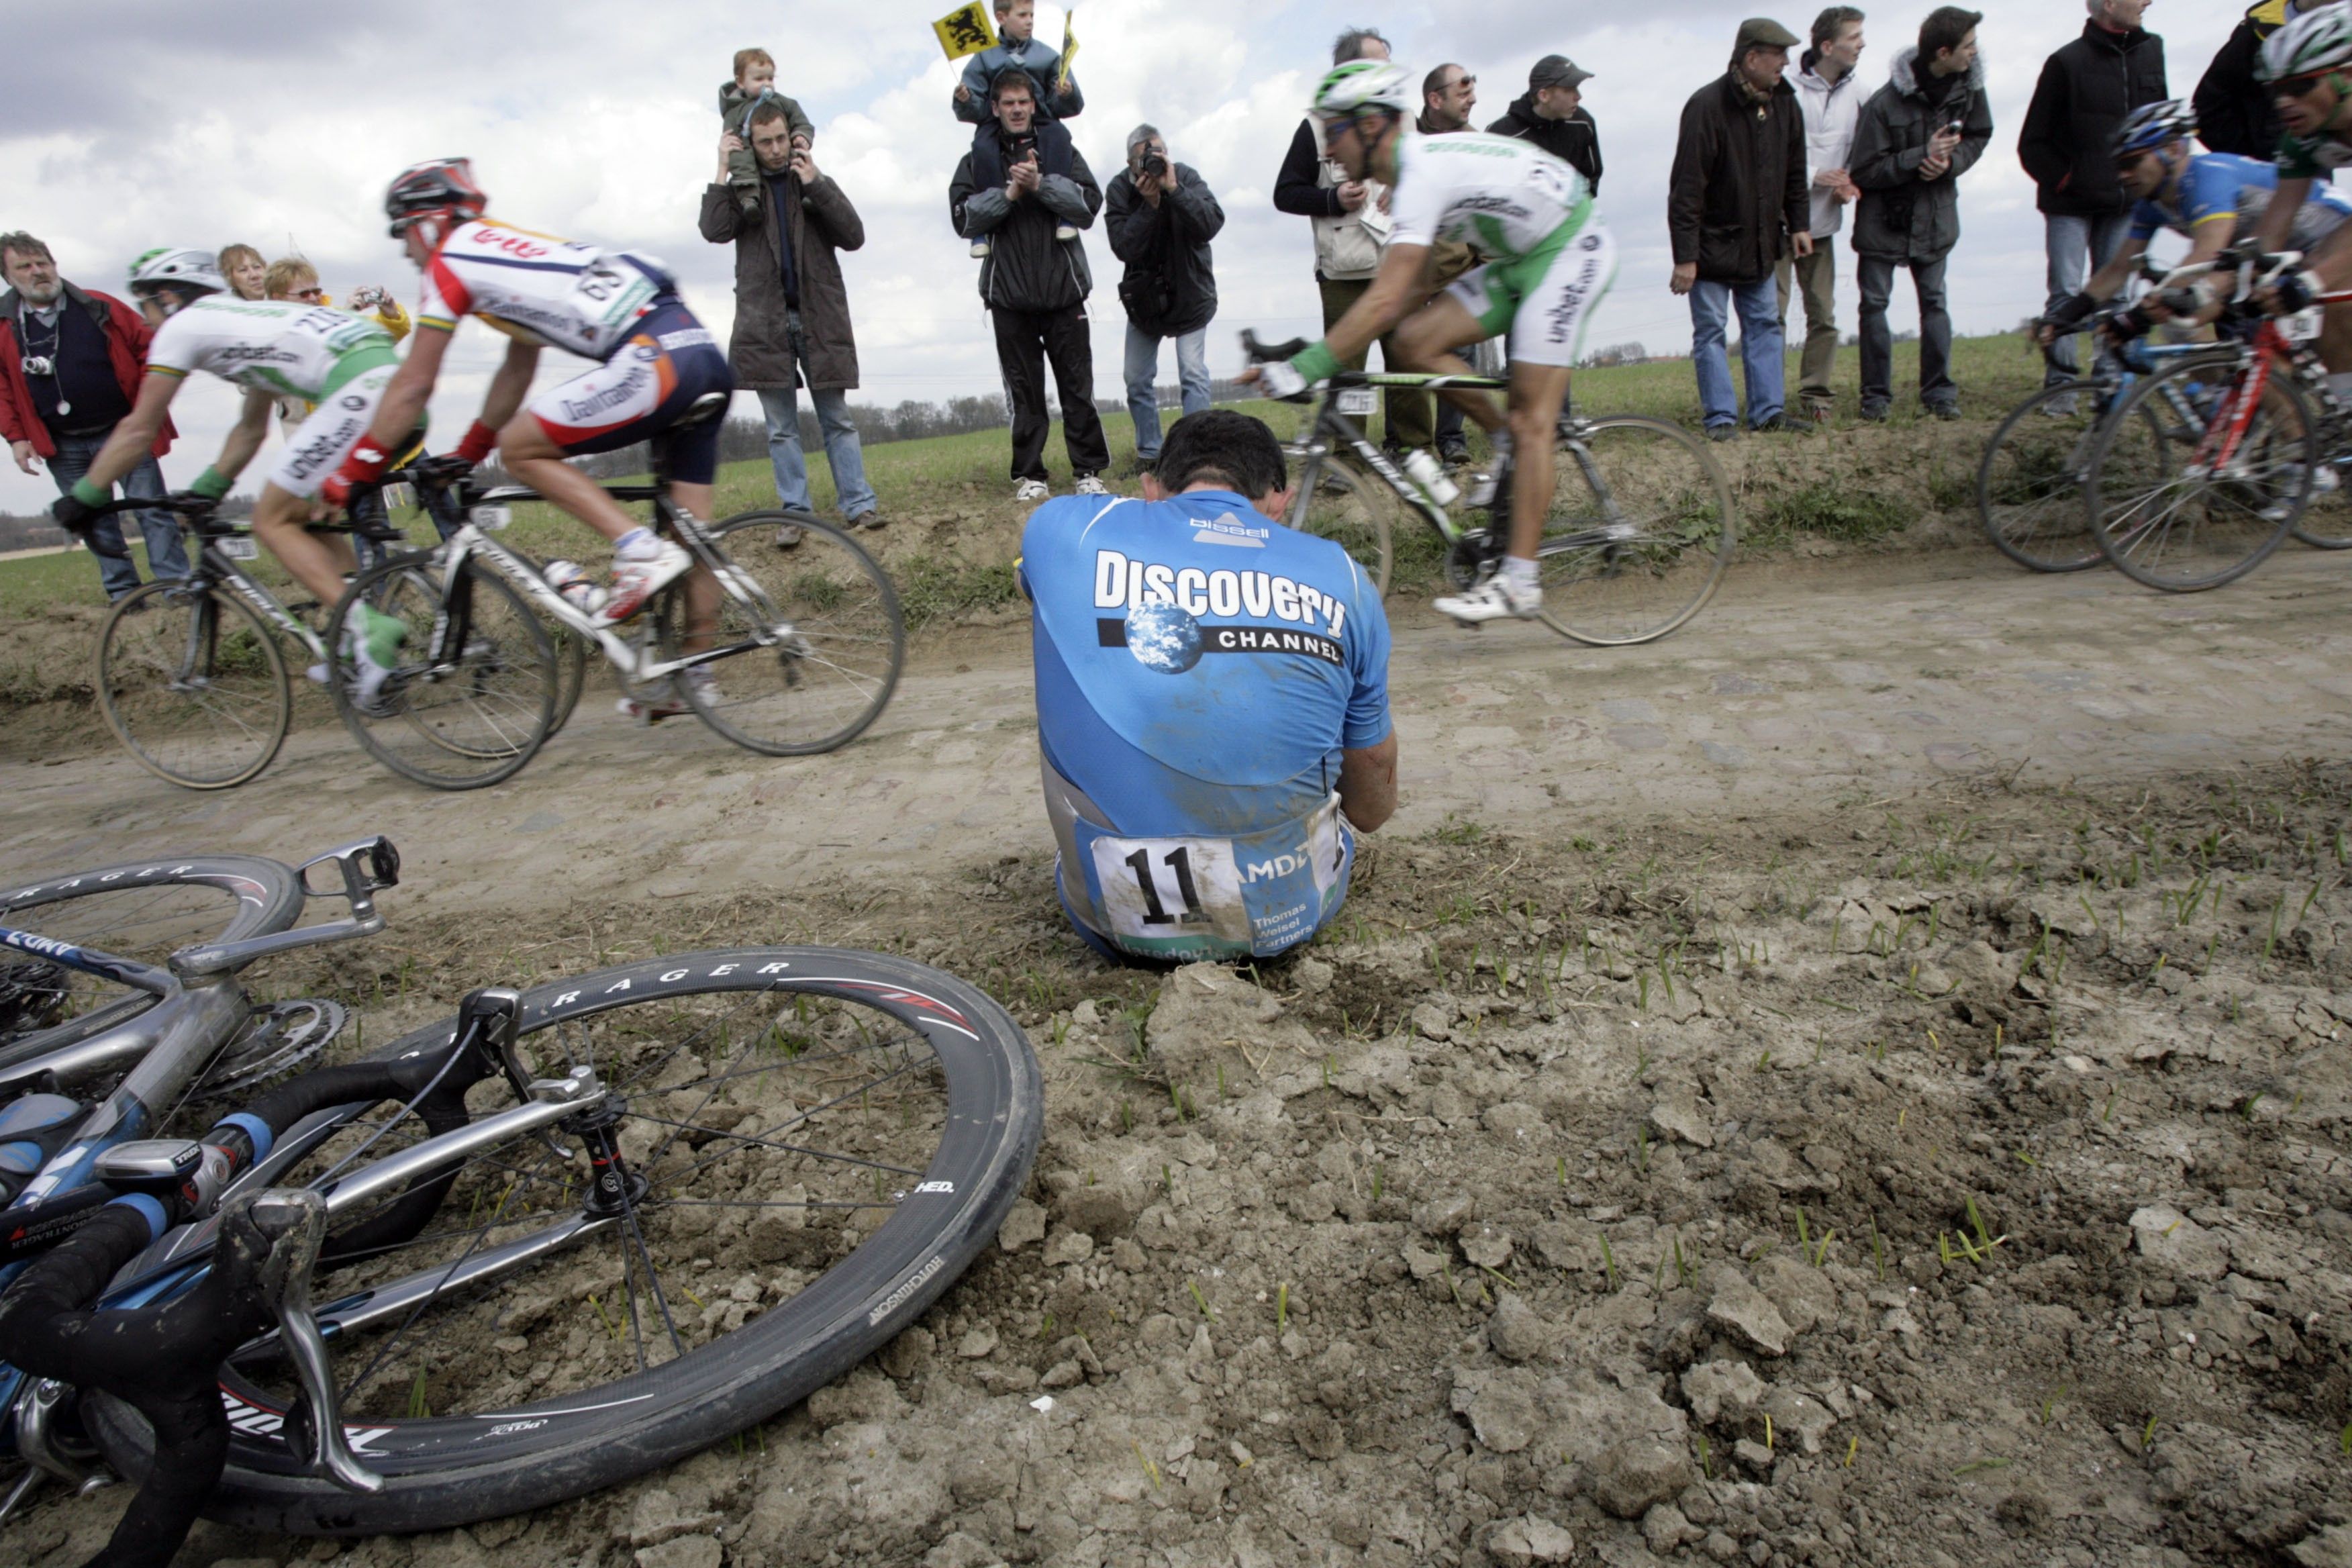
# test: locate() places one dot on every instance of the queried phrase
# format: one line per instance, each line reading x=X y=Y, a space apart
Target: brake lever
x=296 y=1219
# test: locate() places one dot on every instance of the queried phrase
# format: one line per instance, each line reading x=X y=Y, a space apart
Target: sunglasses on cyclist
x=2301 y=86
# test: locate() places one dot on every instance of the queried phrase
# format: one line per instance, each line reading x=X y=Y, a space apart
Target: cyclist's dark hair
x=1014 y=75
x=1350 y=45
x=1223 y=445
x=1944 y=27
x=1832 y=22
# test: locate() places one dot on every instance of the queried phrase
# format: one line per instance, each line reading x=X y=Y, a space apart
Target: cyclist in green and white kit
x=272 y=349
x=1551 y=260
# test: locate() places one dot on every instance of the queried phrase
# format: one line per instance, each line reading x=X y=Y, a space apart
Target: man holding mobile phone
x=1914 y=139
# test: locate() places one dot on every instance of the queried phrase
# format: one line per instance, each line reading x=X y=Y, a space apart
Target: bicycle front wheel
x=2030 y=485
x=193 y=683
x=1640 y=530
x=1350 y=509
x=2163 y=503
x=834 y=641
x=473 y=695
x=142 y=909
x=813 y=1144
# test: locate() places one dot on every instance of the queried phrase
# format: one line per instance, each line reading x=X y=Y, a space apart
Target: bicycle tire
x=444 y=1470
x=194 y=684
x=2182 y=532
x=2326 y=521
x=2031 y=506
x=472 y=722
x=142 y=909
x=823 y=687
x=1337 y=503
x=1688 y=529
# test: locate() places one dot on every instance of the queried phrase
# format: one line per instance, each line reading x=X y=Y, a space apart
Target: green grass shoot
x=1608 y=1261
x=1281 y=1309
x=1199 y=1300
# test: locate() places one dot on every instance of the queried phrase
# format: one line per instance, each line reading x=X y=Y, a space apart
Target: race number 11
x=1169 y=887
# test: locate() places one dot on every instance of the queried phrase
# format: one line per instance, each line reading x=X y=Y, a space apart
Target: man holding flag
x=1016 y=44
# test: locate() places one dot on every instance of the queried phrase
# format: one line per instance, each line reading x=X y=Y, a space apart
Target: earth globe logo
x=1163 y=638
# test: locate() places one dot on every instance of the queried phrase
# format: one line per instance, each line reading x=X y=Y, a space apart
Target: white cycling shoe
x=671 y=702
x=1492 y=600
x=636 y=581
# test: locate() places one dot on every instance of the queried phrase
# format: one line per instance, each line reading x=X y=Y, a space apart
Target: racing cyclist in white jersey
x=272 y=349
x=654 y=363
x=1550 y=262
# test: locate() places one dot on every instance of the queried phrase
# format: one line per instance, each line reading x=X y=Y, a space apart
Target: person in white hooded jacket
x=1831 y=98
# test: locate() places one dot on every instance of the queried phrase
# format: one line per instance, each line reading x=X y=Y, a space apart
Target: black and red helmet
x=438 y=187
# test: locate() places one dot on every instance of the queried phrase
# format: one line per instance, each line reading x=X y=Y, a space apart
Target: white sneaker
x=635 y=582
x=1064 y=233
x=672 y=702
x=1492 y=600
x=1090 y=484
x=316 y=675
x=789 y=535
x=1032 y=489
x=979 y=249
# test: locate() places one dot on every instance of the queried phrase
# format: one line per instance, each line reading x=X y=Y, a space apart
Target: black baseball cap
x=1556 y=70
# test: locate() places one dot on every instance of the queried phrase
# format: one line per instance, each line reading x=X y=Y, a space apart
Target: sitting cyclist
x=340 y=362
x=2308 y=66
x=1550 y=262
x=654 y=362
x=1211 y=695
x=2212 y=199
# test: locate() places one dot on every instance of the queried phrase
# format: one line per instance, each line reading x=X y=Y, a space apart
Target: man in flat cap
x=1736 y=203
x=1552 y=115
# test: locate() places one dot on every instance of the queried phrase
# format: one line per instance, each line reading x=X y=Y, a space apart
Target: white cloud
x=135 y=122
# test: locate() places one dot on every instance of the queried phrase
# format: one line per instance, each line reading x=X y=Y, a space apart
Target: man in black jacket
x=2087 y=87
x=2234 y=106
x=1735 y=202
x=1036 y=288
x=1552 y=115
x=1915 y=138
x=1161 y=217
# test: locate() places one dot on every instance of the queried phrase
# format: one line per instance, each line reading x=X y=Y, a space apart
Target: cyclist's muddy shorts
x=1543 y=300
x=668 y=362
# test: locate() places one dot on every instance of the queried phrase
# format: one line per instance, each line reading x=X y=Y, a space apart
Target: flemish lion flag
x=1069 y=47
x=966 y=31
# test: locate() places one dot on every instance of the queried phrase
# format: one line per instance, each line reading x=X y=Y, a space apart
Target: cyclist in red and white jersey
x=621 y=308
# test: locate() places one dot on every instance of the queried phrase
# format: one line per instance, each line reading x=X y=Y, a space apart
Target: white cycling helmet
x=192 y=272
x=1361 y=85
x=2318 y=40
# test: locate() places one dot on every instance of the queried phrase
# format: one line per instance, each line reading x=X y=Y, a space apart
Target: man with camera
x=1161 y=217
x=70 y=363
x=1035 y=286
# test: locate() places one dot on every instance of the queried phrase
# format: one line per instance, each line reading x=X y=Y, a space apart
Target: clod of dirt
x=1516 y=1332
x=1501 y=1408
x=1486 y=1245
x=1802 y=1295
x=1798 y=1415
x=1024 y=1223
x=659 y=1518
x=2173 y=1244
x=1678 y=1118
x=1445 y=1215
x=962 y=1550
x=686 y=1552
x=2331 y=1548
x=1530 y=1538
x=1207 y=1014
x=1748 y=1316
x=2023 y=1513
x=1635 y=1475
x=1665 y=1527
x=1722 y=1392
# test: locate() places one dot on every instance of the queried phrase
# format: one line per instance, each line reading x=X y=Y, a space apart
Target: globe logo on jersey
x=1163 y=638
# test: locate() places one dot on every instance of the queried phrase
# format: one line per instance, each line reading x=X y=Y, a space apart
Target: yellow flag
x=1069 y=48
x=965 y=32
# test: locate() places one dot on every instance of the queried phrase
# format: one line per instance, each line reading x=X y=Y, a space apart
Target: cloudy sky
x=132 y=123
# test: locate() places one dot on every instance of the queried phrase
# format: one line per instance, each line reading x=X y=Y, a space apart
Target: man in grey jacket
x=1036 y=288
x=1830 y=95
x=1921 y=131
x=792 y=310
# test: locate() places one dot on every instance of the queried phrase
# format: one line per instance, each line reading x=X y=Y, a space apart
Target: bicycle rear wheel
x=1641 y=527
x=825 y=1141
x=1352 y=509
x=842 y=645
x=193 y=683
x=460 y=720
x=142 y=909
x=2159 y=508
x=2030 y=485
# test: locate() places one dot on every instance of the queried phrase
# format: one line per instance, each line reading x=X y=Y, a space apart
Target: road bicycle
x=799 y=654
x=1640 y=527
x=192 y=674
x=561 y=1238
x=2246 y=449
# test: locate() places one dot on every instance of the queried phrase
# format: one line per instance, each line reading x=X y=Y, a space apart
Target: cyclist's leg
x=313 y=450
x=320 y=561
x=1546 y=336
x=1465 y=313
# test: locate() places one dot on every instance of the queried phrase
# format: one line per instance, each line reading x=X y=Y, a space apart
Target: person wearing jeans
x=792 y=308
x=117 y=572
x=843 y=451
x=1736 y=203
x=1161 y=217
x=1874 y=275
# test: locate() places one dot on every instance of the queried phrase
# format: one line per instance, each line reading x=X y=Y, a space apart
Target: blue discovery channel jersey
x=1199 y=669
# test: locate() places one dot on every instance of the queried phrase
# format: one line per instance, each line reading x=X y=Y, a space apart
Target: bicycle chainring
x=1469 y=558
x=32 y=995
x=279 y=1038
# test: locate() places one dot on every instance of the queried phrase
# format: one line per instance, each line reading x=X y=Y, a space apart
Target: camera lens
x=38 y=364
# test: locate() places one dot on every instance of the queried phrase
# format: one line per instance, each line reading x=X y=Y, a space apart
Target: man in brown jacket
x=1735 y=202
x=791 y=313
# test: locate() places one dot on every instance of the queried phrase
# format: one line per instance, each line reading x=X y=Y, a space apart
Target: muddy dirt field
x=1865 y=1083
